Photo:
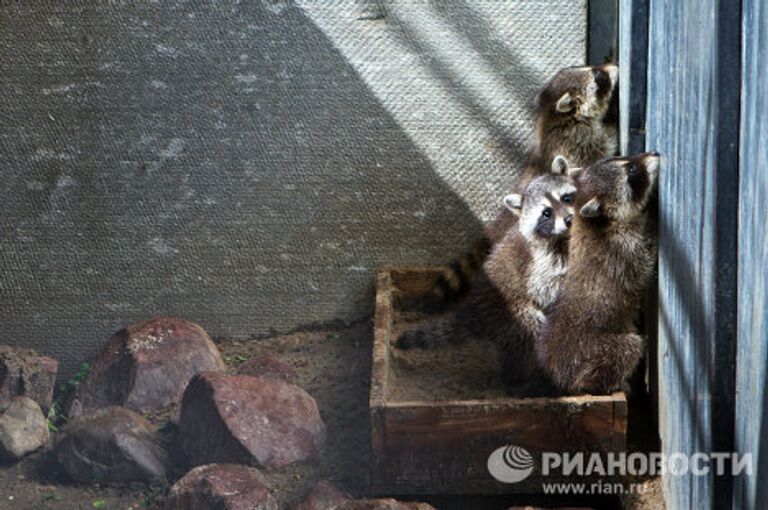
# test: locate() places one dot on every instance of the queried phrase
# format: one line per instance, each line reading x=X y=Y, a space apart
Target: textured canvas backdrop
x=248 y=165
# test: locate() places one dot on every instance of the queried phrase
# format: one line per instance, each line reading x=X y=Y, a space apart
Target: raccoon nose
x=651 y=161
x=613 y=71
x=568 y=220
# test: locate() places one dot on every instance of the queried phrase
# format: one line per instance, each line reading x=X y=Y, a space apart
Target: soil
x=333 y=365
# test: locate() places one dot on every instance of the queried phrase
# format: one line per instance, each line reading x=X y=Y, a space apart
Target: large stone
x=23 y=428
x=243 y=419
x=266 y=365
x=147 y=366
x=221 y=487
x=113 y=444
x=25 y=372
x=322 y=496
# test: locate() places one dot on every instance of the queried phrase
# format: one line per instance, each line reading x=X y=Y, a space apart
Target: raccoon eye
x=547 y=213
x=601 y=78
x=567 y=198
x=631 y=170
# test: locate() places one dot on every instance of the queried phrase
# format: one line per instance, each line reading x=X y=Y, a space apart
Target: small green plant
x=99 y=503
x=240 y=358
x=51 y=496
x=52 y=417
x=55 y=416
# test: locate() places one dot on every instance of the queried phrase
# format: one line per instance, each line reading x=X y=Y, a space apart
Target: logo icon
x=510 y=464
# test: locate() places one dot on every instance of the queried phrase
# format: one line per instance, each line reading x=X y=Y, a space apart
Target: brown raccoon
x=589 y=343
x=576 y=119
x=520 y=279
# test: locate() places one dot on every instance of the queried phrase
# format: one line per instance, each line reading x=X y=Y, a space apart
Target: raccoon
x=577 y=118
x=520 y=279
x=589 y=343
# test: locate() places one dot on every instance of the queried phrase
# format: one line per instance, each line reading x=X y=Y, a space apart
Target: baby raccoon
x=520 y=279
x=589 y=342
x=576 y=119
x=573 y=122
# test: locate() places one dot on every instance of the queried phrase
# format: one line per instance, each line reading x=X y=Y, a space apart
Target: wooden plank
x=382 y=332
x=679 y=123
x=751 y=492
x=689 y=121
x=444 y=447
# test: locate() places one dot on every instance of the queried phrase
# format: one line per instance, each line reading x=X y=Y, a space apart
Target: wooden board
x=436 y=447
x=751 y=492
x=692 y=120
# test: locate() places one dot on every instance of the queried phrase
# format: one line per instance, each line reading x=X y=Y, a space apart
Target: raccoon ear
x=514 y=202
x=565 y=103
x=559 y=165
x=591 y=209
x=573 y=173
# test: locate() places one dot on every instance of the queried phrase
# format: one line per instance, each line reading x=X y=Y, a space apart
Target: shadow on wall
x=224 y=164
x=233 y=171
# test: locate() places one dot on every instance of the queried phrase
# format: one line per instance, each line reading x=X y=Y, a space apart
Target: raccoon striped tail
x=456 y=279
x=431 y=335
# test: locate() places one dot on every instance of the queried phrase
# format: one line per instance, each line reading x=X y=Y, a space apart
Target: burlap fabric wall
x=249 y=164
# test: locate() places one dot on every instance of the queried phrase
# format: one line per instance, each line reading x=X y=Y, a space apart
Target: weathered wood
x=751 y=492
x=422 y=447
x=382 y=332
x=692 y=97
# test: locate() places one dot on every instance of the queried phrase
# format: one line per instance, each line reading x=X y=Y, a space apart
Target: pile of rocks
x=27 y=381
x=229 y=425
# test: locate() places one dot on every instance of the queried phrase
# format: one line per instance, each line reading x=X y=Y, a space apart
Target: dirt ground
x=333 y=365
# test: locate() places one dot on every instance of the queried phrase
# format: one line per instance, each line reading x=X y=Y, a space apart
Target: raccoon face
x=580 y=92
x=546 y=206
x=615 y=188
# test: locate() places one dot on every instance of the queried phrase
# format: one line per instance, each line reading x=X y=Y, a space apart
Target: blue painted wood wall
x=706 y=110
x=680 y=125
x=751 y=492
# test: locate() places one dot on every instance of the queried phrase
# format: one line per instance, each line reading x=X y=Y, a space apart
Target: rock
x=267 y=366
x=113 y=444
x=381 y=504
x=322 y=496
x=23 y=428
x=221 y=486
x=147 y=366
x=243 y=419
x=25 y=372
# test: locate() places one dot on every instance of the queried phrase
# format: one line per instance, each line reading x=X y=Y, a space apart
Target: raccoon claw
x=410 y=339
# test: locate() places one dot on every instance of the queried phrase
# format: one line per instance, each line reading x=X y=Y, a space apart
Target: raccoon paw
x=410 y=339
